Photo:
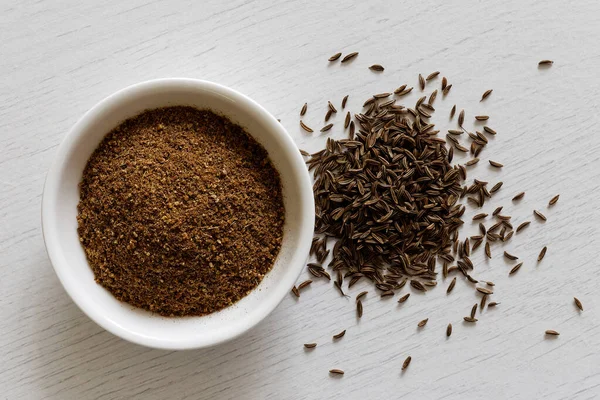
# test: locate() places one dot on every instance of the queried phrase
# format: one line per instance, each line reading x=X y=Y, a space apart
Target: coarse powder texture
x=180 y=212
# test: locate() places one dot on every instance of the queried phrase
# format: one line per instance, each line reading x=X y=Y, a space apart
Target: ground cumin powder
x=180 y=212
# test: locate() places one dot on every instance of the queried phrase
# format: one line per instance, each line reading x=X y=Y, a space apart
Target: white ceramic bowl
x=61 y=195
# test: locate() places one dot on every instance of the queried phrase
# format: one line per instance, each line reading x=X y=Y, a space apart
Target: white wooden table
x=57 y=59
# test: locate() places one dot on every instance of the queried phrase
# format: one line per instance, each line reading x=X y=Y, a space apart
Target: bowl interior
x=61 y=195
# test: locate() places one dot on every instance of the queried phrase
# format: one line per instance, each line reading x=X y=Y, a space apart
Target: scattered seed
x=336 y=371
x=542 y=253
x=496 y=164
x=338 y=286
x=578 y=303
x=486 y=94
x=540 y=215
x=489 y=130
x=451 y=285
x=335 y=56
x=515 y=268
x=483 y=301
x=339 y=335
x=510 y=256
x=406 y=363
x=447 y=89
x=472 y=162
x=482 y=117
x=449 y=330
x=523 y=226
x=479 y=216
x=404 y=91
x=453 y=111
x=376 y=67
x=493 y=304
x=461 y=117
x=400 y=89
x=347 y=120
x=497 y=211
x=488 y=252
x=553 y=200
x=304 y=153
x=444 y=83
x=303 y=110
x=432 y=75
x=304 y=284
x=496 y=187
x=296 y=291
x=423 y=323
x=552 y=332
x=460 y=148
x=519 y=196
x=432 y=97
x=474 y=309
x=331 y=107
x=484 y=290
x=344 y=101
x=326 y=127
x=421 y=82
x=382 y=95
x=545 y=63
x=349 y=57
x=361 y=295
x=404 y=298
x=305 y=127
x=470 y=319
x=482 y=229
x=310 y=345
x=328 y=115
x=359 y=308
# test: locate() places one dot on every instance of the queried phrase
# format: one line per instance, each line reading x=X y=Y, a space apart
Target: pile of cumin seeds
x=389 y=195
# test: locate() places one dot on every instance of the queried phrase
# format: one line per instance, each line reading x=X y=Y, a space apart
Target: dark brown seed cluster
x=389 y=196
x=180 y=212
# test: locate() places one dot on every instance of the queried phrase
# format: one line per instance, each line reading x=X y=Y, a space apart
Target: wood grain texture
x=60 y=58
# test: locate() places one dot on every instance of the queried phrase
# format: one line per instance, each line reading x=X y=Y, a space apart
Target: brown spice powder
x=180 y=212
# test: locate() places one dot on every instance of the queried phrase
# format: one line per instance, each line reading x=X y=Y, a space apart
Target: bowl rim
x=49 y=224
